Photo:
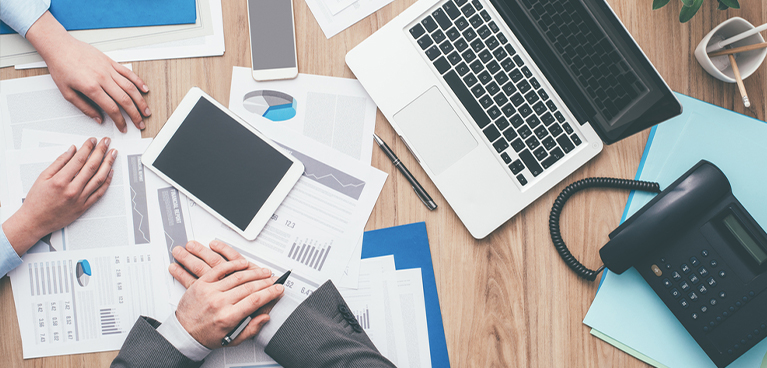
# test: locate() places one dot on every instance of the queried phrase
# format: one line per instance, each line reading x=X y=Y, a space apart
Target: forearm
x=22 y=233
x=47 y=34
x=21 y=14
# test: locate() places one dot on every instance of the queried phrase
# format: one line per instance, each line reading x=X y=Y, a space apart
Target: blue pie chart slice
x=83 y=272
x=273 y=105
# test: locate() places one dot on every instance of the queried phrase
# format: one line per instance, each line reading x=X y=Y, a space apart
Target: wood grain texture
x=507 y=300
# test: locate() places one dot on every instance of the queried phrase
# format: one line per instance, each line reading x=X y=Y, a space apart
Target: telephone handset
x=702 y=253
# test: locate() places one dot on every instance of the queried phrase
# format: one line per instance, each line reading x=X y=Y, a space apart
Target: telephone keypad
x=722 y=274
x=711 y=282
x=667 y=283
x=694 y=261
x=694 y=279
x=704 y=253
x=702 y=289
x=676 y=276
x=684 y=285
x=676 y=294
x=693 y=296
x=702 y=272
x=684 y=303
x=685 y=268
x=713 y=263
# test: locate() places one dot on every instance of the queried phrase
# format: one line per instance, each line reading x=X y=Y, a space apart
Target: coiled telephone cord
x=559 y=203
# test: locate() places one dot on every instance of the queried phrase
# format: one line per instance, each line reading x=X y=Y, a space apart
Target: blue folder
x=97 y=14
x=410 y=246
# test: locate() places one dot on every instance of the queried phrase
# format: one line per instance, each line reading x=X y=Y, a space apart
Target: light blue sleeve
x=8 y=257
x=22 y=14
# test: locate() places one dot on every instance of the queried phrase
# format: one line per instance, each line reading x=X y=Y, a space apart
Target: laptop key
x=509 y=88
x=506 y=158
x=576 y=140
x=543 y=94
x=461 y=23
x=454 y=58
x=540 y=153
x=468 y=101
x=516 y=121
x=468 y=56
x=492 y=43
x=492 y=89
x=551 y=160
x=501 y=78
x=531 y=97
x=539 y=107
x=485 y=56
x=559 y=116
x=425 y=42
x=475 y=21
x=500 y=99
x=523 y=86
x=477 y=90
x=433 y=53
x=477 y=45
x=462 y=68
x=515 y=75
x=502 y=39
x=533 y=121
x=493 y=112
x=469 y=34
x=525 y=110
x=476 y=4
x=491 y=132
x=446 y=47
x=530 y=162
x=549 y=143
x=517 y=99
x=555 y=130
x=510 y=134
x=552 y=106
x=508 y=110
x=460 y=2
x=493 y=67
x=492 y=25
x=507 y=64
x=451 y=10
x=452 y=34
x=541 y=132
x=518 y=60
x=485 y=15
x=527 y=72
x=470 y=80
x=429 y=24
x=521 y=179
x=442 y=65
x=568 y=128
x=476 y=66
x=417 y=31
x=460 y=45
x=510 y=49
x=442 y=19
x=516 y=167
x=500 y=54
x=438 y=36
x=565 y=143
x=486 y=101
x=502 y=124
x=518 y=145
x=534 y=83
x=500 y=145
x=524 y=132
x=485 y=77
x=468 y=10
x=557 y=152
x=483 y=31
x=547 y=118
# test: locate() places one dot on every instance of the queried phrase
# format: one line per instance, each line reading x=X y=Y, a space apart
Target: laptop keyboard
x=492 y=81
x=591 y=57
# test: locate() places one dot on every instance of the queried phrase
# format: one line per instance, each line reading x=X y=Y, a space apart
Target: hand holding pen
x=419 y=191
x=236 y=332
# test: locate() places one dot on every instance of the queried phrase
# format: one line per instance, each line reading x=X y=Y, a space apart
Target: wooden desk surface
x=507 y=300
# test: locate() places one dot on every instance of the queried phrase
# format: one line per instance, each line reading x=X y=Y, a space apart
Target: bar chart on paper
x=363 y=317
x=310 y=253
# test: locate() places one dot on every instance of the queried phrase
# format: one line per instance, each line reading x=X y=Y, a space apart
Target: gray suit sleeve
x=145 y=347
x=322 y=332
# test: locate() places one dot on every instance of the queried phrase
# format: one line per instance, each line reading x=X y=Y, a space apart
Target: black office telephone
x=700 y=251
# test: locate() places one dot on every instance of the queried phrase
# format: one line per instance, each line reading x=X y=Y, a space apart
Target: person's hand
x=228 y=290
x=86 y=77
x=62 y=192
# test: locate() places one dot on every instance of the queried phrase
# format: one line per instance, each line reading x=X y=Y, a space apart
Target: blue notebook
x=410 y=246
x=97 y=14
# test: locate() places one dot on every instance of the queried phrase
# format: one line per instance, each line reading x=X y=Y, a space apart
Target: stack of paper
x=203 y=37
x=626 y=312
x=80 y=289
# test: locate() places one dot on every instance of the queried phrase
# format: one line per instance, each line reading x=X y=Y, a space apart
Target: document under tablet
x=222 y=164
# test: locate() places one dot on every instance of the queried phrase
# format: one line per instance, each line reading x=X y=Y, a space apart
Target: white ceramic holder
x=719 y=66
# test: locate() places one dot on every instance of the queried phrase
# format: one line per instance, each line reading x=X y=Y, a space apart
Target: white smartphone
x=222 y=163
x=272 y=39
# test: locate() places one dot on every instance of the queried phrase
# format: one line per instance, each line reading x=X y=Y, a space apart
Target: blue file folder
x=410 y=246
x=98 y=14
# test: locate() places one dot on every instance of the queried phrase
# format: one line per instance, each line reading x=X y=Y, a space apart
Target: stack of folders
x=626 y=312
x=90 y=281
x=129 y=31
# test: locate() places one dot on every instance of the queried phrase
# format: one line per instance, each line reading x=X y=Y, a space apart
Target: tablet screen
x=222 y=163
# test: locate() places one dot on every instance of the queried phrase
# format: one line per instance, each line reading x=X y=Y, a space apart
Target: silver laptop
x=500 y=100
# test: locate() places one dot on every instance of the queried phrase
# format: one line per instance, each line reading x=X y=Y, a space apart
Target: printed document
x=333 y=21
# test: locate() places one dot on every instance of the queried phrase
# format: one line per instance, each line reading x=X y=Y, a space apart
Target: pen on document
x=427 y=201
x=233 y=335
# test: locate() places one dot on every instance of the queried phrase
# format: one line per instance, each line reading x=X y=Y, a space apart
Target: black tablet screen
x=222 y=163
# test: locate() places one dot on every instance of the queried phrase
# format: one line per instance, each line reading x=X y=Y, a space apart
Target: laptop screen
x=593 y=62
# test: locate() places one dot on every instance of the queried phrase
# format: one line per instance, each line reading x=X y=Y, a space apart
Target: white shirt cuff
x=9 y=259
x=177 y=336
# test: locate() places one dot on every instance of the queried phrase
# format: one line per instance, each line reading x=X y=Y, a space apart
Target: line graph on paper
x=329 y=176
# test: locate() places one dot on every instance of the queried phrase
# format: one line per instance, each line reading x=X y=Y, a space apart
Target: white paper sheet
x=416 y=336
x=63 y=310
x=336 y=112
x=376 y=306
x=351 y=274
x=14 y=49
x=316 y=228
x=333 y=23
x=204 y=45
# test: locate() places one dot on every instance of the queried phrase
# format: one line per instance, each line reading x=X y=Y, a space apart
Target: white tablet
x=222 y=163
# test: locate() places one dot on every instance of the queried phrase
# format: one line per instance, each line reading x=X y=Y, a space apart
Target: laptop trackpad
x=435 y=131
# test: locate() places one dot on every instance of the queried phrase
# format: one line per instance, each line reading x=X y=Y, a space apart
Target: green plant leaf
x=689 y=11
x=731 y=3
x=657 y=4
x=722 y=6
x=687 y=2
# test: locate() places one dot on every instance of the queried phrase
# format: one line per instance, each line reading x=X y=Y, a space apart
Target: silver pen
x=427 y=201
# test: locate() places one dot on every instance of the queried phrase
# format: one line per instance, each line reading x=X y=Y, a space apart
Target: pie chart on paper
x=83 y=272
x=273 y=105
